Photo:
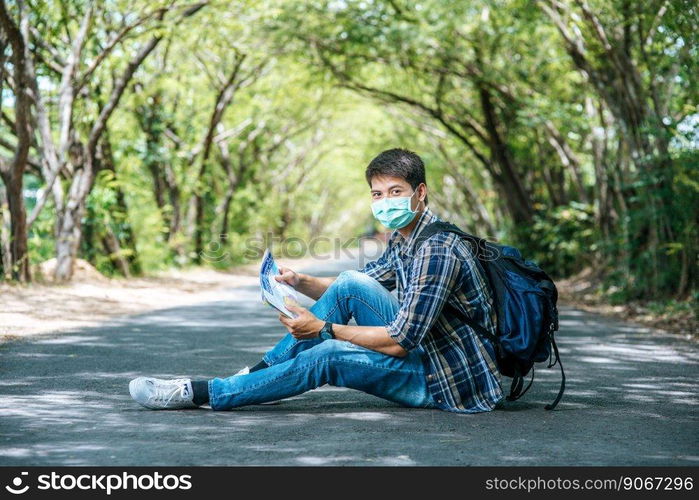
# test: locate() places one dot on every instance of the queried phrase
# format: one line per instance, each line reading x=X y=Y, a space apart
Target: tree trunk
x=159 y=191
x=510 y=182
x=556 y=191
x=605 y=214
x=568 y=159
x=5 y=251
x=557 y=198
x=226 y=211
x=234 y=180
x=68 y=236
x=122 y=214
x=683 y=285
x=174 y=198
x=69 y=223
x=223 y=99
x=198 y=227
x=162 y=173
x=12 y=172
x=151 y=118
x=116 y=254
x=18 y=224
x=129 y=239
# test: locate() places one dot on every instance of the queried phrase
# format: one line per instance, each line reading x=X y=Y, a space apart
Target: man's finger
x=289 y=322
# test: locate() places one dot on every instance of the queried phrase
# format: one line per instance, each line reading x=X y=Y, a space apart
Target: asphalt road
x=631 y=400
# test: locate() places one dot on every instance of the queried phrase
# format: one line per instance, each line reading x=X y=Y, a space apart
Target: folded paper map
x=274 y=293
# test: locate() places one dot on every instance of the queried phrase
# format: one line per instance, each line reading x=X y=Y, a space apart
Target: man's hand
x=308 y=285
x=287 y=276
x=304 y=326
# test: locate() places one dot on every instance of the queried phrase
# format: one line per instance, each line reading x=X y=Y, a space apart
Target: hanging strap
x=563 y=376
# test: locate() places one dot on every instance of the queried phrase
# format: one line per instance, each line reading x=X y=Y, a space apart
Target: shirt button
x=429 y=377
x=439 y=400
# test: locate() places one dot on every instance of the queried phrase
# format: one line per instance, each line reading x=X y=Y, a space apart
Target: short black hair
x=398 y=162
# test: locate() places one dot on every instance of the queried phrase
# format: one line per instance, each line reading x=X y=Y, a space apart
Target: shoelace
x=161 y=393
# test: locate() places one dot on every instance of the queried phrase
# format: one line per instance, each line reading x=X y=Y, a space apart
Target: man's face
x=384 y=186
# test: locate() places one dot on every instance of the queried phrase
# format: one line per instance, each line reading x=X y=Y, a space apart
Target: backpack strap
x=438 y=227
x=482 y=331
x=447 y=227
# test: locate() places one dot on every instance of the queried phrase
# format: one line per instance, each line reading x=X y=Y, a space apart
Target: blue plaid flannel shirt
x=462 y=374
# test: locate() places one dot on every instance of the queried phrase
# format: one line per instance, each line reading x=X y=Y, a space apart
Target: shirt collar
x=405 y=245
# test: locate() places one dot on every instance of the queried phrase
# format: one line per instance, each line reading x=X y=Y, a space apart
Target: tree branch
x=43 y=198
x=22 y=100
x=648 y=39
x=222 y=101
x=117 y=92
x=55 y=62
x=66 y=94
x=121 y=35
x=35 y=163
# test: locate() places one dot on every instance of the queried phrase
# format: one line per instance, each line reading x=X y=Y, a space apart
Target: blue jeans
x=297 y=366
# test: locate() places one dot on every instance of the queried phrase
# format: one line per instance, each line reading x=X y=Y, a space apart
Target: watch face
x=325 y=335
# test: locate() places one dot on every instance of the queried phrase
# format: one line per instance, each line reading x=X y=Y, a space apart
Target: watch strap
x=328 y=327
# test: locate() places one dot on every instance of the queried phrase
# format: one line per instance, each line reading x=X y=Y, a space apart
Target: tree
x=12 y=171
x=237 y=78
x=74 y=156
x=637 y=60
x=458 y=74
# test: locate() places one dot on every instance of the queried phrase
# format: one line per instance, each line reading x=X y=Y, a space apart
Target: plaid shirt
x=462 y=374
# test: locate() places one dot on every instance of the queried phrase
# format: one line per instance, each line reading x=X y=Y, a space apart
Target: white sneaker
x=245 y=371
x=159 y=394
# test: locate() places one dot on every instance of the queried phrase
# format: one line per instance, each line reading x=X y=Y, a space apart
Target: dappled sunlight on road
x=345 y=460
x=631 y=399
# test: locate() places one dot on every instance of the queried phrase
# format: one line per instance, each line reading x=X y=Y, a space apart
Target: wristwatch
x=327 y=331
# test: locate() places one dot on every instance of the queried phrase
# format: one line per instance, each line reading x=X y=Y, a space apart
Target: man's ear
x=422 y=194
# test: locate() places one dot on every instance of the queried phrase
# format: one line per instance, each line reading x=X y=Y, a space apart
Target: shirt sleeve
x=434 y=274
x=382 y=270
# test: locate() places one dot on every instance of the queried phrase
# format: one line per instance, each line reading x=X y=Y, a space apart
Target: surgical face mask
x=394 y=213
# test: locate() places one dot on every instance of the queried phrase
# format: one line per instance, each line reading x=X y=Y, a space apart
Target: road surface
x=631 y=400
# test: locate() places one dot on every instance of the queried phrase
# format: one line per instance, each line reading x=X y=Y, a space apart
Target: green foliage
x=40 y=242
x=488 y=92
x=566 y=239
x=106 y=224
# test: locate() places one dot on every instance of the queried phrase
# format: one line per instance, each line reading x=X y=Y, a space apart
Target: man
x=415 y=349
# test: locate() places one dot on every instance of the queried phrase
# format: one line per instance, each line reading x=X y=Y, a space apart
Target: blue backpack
x=524 y=299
